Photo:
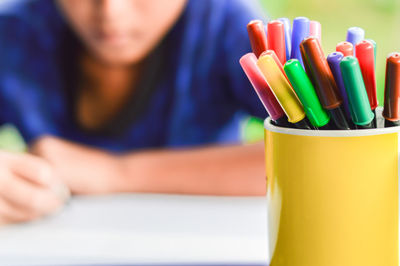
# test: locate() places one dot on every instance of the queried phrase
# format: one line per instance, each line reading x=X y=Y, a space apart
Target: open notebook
x=143 y=229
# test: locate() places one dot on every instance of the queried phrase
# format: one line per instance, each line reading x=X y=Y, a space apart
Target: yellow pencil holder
x=333 y=196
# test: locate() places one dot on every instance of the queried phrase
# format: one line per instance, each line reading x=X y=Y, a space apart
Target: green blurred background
x=379 y=18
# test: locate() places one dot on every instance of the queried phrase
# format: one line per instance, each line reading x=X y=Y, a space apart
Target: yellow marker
x=281 y=89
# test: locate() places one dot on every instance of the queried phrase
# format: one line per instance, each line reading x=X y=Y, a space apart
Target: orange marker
x=346 y=48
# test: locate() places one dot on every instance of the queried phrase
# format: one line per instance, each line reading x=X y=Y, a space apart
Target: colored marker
x=301 y=30
x=334 y=60
x=346 y=48
x=283 y=91
x=276 y=39
x=315 y=29
x=276 y=59
x=260 y=85
x=365 y=55
x=322 y=78
x=374 y=44
x=288 y=34
x=355 y=35
x=391 y=108
x=306 y=93
x=257 y=36
x=360 y=109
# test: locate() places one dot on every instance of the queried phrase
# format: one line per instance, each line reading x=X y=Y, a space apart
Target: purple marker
x=334 y=64
x=355 y=35
x=300 y=30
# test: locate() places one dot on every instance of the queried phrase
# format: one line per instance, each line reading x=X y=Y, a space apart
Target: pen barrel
x=361 y=112
x=302 y=124
x=257 y=37
x=389 y=123
x=306 y=93
x=281 y=89
x=282 y=122
x=318 y=70
x=261 y=87
x=391 y=109
x=365 y=54
x=276 y=39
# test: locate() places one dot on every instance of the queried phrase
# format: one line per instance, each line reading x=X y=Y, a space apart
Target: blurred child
x=125 y=96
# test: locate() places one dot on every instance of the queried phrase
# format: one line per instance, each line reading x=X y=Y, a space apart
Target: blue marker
x=355 y=35
x=334 y=60
x=288 y=34
x=301 y=30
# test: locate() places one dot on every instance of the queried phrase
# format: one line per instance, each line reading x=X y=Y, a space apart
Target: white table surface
x=143 y=229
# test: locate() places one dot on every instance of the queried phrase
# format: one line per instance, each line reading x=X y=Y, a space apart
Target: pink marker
x=264 y=92
x=315 y=29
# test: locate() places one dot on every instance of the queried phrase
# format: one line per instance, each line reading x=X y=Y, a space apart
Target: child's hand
x=83 y=169
x=29 y=188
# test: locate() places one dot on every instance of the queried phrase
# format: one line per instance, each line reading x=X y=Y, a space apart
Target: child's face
x=120 y=32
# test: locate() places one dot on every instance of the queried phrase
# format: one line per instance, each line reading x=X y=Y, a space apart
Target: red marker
x=391 y=109
x=257 y=36
x=276 y=39
x=264 y=92
x=365 y=56
x=346 y=48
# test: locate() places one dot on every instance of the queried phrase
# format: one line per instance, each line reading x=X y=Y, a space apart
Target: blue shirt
x=200 y=96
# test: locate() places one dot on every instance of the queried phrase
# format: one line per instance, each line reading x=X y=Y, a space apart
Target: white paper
x=143 y=229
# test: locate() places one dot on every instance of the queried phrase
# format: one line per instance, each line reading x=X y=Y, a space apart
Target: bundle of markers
x=300 y=87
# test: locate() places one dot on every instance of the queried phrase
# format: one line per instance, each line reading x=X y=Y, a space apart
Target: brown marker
x=391 y=109
x=257 y=36
x=318 y=70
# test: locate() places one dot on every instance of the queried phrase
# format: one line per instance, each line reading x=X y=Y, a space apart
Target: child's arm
x=217 y=170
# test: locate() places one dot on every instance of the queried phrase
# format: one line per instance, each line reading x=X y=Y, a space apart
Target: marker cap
x=365 y=55
x=374 y=44
x=306 y=93
x=361 y=113
x=355 y=35
x=321 y=74
x=301 y=30
x=281 y=89
x=288 y=35
x=276 y=39
x=277 y=61
x=391 y=109
x=334 y=60
x=260 y=85
x=315 y=29
x=257 y=36
x=346 y=48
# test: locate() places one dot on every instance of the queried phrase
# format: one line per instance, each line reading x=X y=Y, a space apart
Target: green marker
x=306 y=93
x=361 y=113
x=374 y=44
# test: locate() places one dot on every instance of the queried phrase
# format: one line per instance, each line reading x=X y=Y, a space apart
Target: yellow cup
x=333 y=196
